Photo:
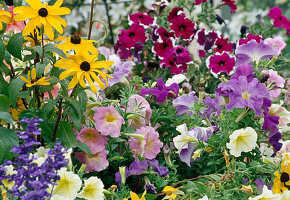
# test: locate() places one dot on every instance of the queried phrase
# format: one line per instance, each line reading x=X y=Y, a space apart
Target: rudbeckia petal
x=55 y=23
x=49 y=31
x=73 y=83
x=35 y=4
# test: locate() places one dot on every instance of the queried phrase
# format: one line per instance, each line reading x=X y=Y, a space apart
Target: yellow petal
x=35 y=4
x=58 y=11
x=33 y=73
x=55 y=23
x=93 y=87
x=48 y=31
x=24 y=13
x=73 y=83
x=97 y=79
x=24 y=79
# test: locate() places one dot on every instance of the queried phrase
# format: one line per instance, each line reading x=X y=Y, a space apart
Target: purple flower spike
x=253 y=51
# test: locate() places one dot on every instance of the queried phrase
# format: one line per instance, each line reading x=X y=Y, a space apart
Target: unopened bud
x=264 y=76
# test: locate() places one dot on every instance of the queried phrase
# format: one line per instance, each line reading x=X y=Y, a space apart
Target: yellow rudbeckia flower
x=42 y=14
x=282 y=180
x=32 y=80
x=78 y=44
x=82 y=66
x=4 y=17
x=134 y=196
x=169 y=191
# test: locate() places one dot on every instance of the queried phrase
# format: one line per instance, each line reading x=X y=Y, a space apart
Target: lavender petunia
x=121 y=71
x=184 y=102
x=213 y=105
x=253 y=51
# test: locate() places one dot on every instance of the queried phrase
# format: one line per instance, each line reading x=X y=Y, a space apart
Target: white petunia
x=93 y=189
x=68 y=185
x=181 y=141
x=285 y=195
x=204 y=198
x=242 y=140
x=175 y=79
x=266 y=195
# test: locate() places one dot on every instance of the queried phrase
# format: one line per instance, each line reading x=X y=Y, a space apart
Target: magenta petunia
x=231 y=4
x=128 y=38
x=108 y=121
x=221 y=63
x=163 y=34
x=145 y=142
x=206 y=39
x=183 y=27
x=97 y=162
x=223 y=45
x=276 y=14
x=91 y=137
x=181 y=55
x=122 y=51
x=176 y=12
x=250 y=37
x=141 y=18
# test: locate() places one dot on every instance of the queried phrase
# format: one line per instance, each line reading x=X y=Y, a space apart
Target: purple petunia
x=184 y=102
x=162 y=91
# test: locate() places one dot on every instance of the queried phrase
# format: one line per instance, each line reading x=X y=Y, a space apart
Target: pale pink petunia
x=108 y=121
x=145 y=142
x=283 y=113
x=97 y=162
x=54 y=93
x=275 y=80
x=277 y=43
x=91 y=137
x=13 y=25
x=140 y=105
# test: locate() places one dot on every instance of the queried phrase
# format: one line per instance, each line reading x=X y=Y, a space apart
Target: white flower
x=266 y=195
x=265 y=150
x=93 y=189
x=175 y=79
x=282 y=112
x=9 y=171
x=181 y=141
x=285 y=195
x=242 y=140
x=68 y=185
x=67 y=156
x=204 y=198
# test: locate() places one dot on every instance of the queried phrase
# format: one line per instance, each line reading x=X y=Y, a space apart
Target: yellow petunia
x=42 y=14
x=78 y=44
x=4 y=17
x=169 y=191
x=32 y=80
x=282 y=181
x=82 y=66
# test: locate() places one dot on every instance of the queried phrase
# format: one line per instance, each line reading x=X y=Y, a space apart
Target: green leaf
x=4 y=103
x=66 y=134
x=15 y=45
x=51 y=47
x=3 y=86
x=8 y=139
x=2 y=49
x=6 y=116
x=40 y=69
x=85 y=148
x=74 y=104
x=14 y=90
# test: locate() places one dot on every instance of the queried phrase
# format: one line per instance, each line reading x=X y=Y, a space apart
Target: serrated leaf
x=85 y=148
x=8 y=139
x=15 y=45
x=66 y=134
x=6 y=116
x=4 y=103
x=14 y=89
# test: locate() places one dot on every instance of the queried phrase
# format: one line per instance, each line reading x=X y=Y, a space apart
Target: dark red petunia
x=176 y=12
x=183 y=27
x=161 y=48
x=181 y=55
x=197 y=2
x=206 y=39
x=223 y=45
x=141 y=18
x=231 y=4
x=164 y=34
x=123 y=52
x=220 y=63
x=250 y=37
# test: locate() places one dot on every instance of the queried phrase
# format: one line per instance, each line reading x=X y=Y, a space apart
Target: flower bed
x=178 y=110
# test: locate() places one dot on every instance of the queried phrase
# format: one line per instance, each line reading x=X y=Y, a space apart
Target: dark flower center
x=221 y=63
x=182 y=27
x=85 y=66
x=165 y=45
x=140 y=16
x=42 y=12
x=75 y=39
x=33 y=80
x=132 y=34
x=219 y=46
x=284 y=177
x=179 y=51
